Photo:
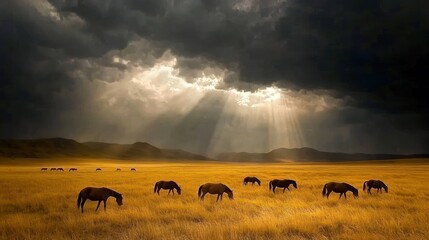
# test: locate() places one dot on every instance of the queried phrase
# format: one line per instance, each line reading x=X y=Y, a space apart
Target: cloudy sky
x=210 y=76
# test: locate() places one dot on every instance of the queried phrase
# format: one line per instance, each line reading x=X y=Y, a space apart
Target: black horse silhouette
x=98 y=169
x=379 y=185
x=44 y=169
x=72 y=169
x=170 y=185
x=281 y=184
x=214 y=188
x=341 y=188
x=97 y=194
x=252 y=180
x=60 y=169
x=133 y=169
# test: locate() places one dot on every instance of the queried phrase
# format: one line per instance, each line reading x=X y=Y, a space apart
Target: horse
x=214 y=188
x=53 y=169
x=72 y=169
x=44 y=169
x=281 y=184
x=118 y=169
x=341 y=188
x=170 y=185
x=98 y=169
x=60 y=169
x=375 y=184
x=97 y=194
x=252 y=180
x=133 y=169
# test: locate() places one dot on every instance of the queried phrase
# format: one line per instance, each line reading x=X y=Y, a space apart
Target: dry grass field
x=42 y=205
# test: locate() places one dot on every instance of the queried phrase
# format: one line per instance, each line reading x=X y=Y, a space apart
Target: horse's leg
x=381 y=191
x=169 y=192
x=202 y=196
x=274 y=189
x=98 y=205
x=82 y=203
x=104 y=201
x=341 y=194
x=284 y=190
x=172 y=191
x=288 y=189
x=217 y=199
x=327 y=195
x=157 y=191
x=221 y=196
x=369 y=190
x=345 y=195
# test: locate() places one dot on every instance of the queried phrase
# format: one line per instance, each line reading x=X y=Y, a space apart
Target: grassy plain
x=42 y=205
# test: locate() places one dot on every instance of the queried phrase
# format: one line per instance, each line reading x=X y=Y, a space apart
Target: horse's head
x=259 y=182
x=295 y=185
x=386 y=188
x=230 y=195
x=119 y=199
x=355 y=193
x=179 y=190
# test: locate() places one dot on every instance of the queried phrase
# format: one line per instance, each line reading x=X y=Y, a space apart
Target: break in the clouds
x=218 y=75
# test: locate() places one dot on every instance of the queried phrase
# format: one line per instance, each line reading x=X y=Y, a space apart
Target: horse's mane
x=114 y=193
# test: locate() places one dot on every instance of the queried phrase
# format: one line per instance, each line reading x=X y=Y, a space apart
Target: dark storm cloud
x=372 y=53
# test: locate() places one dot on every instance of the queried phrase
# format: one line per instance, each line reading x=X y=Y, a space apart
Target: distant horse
x=60 y=169
x=97 y=194
x=118 y=169
x=53 y=169
x=252 y=180
x=170 y=185
x=98 y=169
x=133 y=169
x=214 y=188
x=281 y=184
x=72 y=169
x=375 y=184
x=341 y=188
x=44 y=169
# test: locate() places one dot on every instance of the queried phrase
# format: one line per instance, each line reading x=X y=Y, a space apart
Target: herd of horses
x=102 y=194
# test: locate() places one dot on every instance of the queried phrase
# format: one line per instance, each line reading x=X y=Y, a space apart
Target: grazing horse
x=97 y=194
x=214 y=188
x=53 y=169
x=60 y=169
x=170 y=185
x=118 y=169
x=375 y=184
x=281 y=184
x=133 y=169
x=72 y=169
x=98 y=169
x=252 y=180
x=44 y=169
x=341 y=188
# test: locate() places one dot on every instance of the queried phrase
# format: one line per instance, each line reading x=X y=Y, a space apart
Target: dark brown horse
x=98 y=169
x=53 y=169
x=170 y=185
x=214 y=188
x=72 y=169
x=281 y=184
x=375 y=184
x=44 y=169
x=252 y=180
x=341 y=188
x=133 y=169
x=97 y=194
x=60 y=169
x=118 y=169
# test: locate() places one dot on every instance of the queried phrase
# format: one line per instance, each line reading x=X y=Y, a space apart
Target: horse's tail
x=324 y=191
x=200 y=190
x=270 y=184
x=364 y=185
x=154 y=188
x=79 y=199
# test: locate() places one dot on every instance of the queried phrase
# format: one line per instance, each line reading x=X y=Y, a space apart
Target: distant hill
x=60 y=147
x=309 y=155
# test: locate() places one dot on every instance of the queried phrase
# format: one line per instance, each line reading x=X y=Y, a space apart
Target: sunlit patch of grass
x=42 y=205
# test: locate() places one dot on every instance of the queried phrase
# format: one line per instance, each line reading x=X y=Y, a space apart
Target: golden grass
x=42 y=205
